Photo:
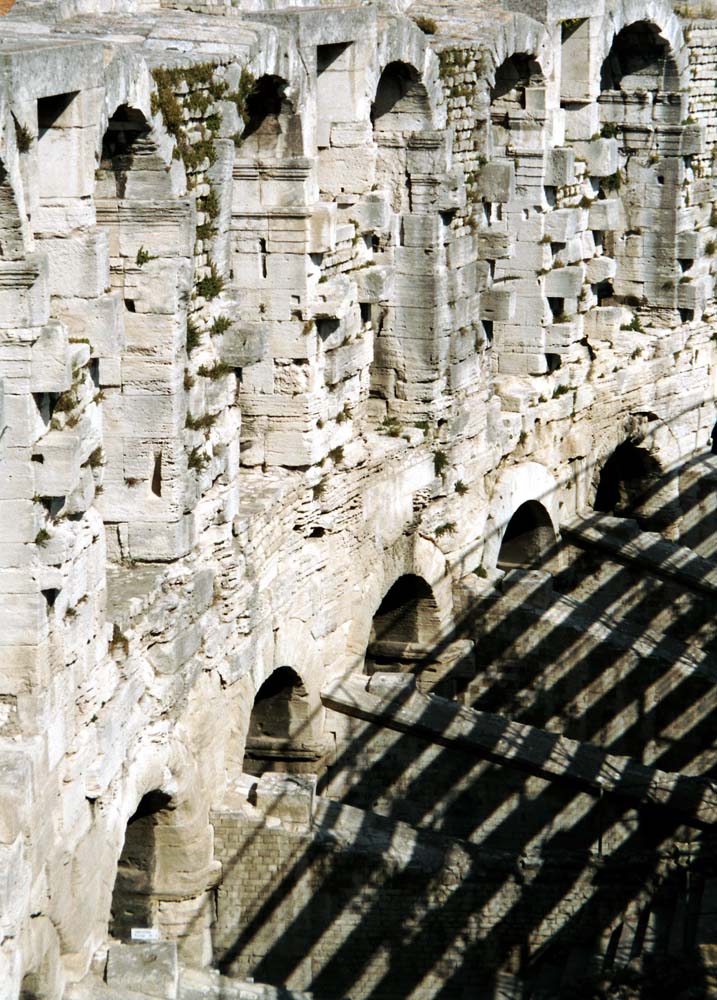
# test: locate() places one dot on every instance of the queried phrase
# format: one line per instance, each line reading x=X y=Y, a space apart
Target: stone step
x=622 y=539
x=526 y=748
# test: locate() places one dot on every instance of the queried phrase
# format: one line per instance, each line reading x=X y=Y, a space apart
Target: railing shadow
x=552 y=888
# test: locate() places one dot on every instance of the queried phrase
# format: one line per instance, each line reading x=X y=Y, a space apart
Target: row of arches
x=405 y=629
x=637 y=102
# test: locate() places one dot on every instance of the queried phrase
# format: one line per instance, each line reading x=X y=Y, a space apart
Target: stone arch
x=400 y=109
x=515 y=488
x=642 y=106
x=639 y=58
x=626 y=479
x=527 y=538
x=134 y=903
x=165 y=870
x=407 y=632
x=280 y=726
x=39 y=974
x=401 y=103
x=407 y=615
x=511 y=185
x=406 y=556
x=405 y=141
x=131 y=165
x=150 y=240
x=661 y=16
x=273 y=128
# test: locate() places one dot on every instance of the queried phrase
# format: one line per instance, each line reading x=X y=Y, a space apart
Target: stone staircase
x=623 y=539
x=391 y=701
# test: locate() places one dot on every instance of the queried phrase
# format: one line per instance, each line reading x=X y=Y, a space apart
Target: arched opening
x=626 y=479
x=30 y=988
x=147 y=232
x=279 y=737
x=400 y=113
x=507 y=95
x=640 y=105
x=400 y=109
x=272 y=130
x=405 y=628
x=134 y=902
x=639 y=60
x=509 y=186
x=528 y=537
x=713 y=440
x=401 y=103
x=126 y=138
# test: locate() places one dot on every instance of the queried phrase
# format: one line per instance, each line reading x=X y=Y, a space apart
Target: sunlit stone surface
x=358 y=517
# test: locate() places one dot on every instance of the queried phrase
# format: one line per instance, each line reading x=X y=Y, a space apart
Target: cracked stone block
x=150 y=969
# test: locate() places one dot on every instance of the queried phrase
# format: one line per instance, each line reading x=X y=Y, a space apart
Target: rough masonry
x=317 y=325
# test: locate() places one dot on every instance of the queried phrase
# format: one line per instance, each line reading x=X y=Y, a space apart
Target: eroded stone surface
x=298 y=309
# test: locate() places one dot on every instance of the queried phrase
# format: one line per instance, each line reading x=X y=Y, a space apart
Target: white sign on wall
x=145 y=934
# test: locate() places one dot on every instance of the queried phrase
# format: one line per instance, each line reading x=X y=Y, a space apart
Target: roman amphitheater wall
x=298 y=310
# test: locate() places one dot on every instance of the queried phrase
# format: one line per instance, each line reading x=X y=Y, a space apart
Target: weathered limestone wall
x=292 y=307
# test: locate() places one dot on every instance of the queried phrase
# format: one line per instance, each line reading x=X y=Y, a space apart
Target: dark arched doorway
x=405 y=631
x=626 y=480
x=134 y=903
x=401 y=103
x=271 y=129
x=640 y=102
x=279 y=736
x=528 y=537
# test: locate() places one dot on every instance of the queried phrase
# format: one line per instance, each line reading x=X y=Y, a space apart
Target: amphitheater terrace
x=358 y=500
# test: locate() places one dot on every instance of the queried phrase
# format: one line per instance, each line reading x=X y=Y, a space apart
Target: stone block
x=602 y=323
x=66 y=162
x=158 y=286
x=322 y=228
x=159 y=335
x=24 y=294
x=109 y=372
x=243 y=344
x=150 y=968
x=695 y=294
x=100 y=321
x=562 y=224
x=688 y=245
x=169 y=657
x=56 y=458
x=51 y=368
x=79 y=264
x=600 y=269
x=601 y=156
x=374 y=284
x=498 y=304
x=23 y=619
x=605 y=215
x=564 y=282
x=496 y=181
x=288 y=797
x=494 y=243
x=159 y=541
x=560 y=167
x=163 y=228
x=373 y=212
x=348 y=169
